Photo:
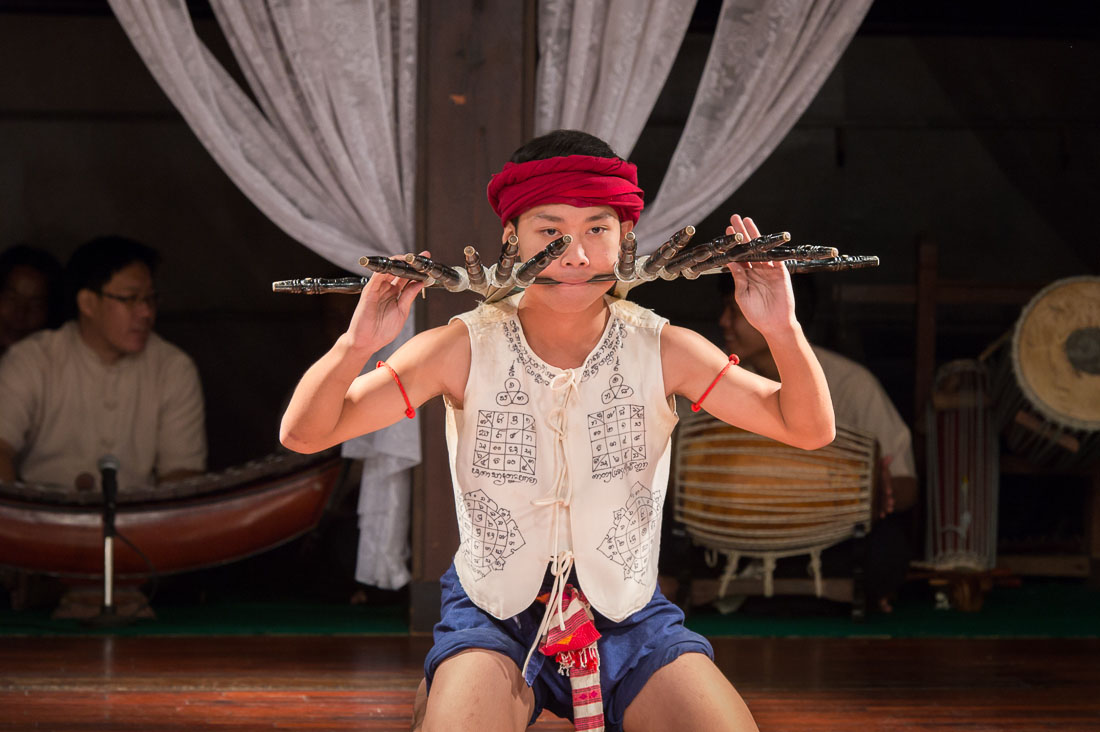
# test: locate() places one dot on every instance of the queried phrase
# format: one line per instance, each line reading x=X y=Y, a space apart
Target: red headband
x=578 y=180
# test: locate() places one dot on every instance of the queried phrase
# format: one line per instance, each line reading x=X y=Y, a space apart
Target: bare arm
x=796 y=409
x=333 y=403
x=896 y=492
x=181 y=424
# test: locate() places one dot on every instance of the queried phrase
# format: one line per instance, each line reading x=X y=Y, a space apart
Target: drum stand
x=690 y=591
x=859 y=562
x=963 y=589
x=858 y=598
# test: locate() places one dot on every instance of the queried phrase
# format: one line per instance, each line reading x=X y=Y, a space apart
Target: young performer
x=559 y=415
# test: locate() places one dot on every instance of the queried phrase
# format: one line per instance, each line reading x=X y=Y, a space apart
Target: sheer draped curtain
x=326 y=151
x=768 y=60
x=602 y=64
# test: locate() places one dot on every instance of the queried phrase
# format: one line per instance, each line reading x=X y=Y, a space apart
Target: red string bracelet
x=732 y=362
x=409 y=411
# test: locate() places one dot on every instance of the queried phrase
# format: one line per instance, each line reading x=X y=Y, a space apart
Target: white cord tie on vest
x=560 y=566
x=561 y=563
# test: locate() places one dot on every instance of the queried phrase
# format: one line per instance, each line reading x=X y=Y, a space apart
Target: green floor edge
x=226 y=618
x=1045 y=610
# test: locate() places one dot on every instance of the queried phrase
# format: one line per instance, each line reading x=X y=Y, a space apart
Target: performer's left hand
x=763 y=289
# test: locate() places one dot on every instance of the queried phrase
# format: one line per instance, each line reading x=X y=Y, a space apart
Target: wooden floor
x=367 y=683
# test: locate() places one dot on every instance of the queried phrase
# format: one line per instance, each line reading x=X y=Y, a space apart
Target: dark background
x=970 y=124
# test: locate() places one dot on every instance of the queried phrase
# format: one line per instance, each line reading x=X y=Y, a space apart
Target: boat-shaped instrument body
x=205 y=521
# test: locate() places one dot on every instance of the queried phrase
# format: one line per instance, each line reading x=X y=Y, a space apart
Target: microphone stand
x=108 y=470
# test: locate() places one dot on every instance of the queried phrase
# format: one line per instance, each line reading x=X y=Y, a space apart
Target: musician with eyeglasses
x=103 y=383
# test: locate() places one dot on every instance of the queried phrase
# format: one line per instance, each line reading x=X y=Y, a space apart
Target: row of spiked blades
x=675 y=258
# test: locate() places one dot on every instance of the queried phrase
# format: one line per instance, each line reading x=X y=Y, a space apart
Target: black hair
x=22 y=255
x=95 y=262
x=42 y=262
x=561 y=143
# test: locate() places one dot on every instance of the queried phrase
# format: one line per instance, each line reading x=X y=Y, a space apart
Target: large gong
x=1046 y=377
x=1056 y=352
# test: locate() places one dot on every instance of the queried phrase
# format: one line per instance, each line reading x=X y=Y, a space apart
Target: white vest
x=538 y=451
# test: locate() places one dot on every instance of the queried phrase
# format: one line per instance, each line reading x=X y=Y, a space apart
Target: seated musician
x=859 y=402
x=103 y=383
x=29 y=280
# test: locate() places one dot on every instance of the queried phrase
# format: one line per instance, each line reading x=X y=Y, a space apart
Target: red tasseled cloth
x=574 y=648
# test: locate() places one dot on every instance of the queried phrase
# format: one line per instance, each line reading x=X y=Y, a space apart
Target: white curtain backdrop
x=768 y=60
x=327 y=152
x=602 y=64
x=385 y=493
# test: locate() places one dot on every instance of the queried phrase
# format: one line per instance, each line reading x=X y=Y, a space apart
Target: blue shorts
x=630 y=651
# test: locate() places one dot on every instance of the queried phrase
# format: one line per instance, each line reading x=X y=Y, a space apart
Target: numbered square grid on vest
x=505 y=441
x=617 y=435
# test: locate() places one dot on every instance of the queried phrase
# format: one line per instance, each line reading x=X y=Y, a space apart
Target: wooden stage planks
x=367 y=683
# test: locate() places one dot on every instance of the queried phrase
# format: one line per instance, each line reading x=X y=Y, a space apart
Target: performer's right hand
x=383 y=308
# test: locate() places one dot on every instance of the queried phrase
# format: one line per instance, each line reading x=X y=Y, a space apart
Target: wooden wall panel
x=477 y=61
